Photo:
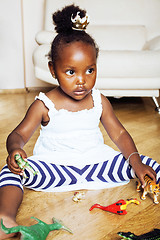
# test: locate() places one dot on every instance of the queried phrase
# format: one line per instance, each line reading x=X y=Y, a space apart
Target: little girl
x=70 y=153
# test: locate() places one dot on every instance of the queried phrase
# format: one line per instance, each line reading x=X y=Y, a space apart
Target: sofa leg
x=157 y=104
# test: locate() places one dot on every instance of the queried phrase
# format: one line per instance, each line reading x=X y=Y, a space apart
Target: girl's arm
x=22 y=133
x=124 y=141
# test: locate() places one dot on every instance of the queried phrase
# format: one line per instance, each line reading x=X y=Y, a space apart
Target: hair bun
x=62 y=19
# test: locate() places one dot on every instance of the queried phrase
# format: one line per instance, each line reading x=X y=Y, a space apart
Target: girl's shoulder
x=107 y=109
x=105 y=102
x=38 y=106
x=47 y=99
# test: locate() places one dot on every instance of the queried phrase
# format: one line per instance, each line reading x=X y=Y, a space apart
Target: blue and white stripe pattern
x=52 y=178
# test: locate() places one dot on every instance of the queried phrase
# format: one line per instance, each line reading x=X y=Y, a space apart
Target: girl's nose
x=81 y=80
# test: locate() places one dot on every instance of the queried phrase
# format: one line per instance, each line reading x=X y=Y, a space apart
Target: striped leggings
x=54 y=178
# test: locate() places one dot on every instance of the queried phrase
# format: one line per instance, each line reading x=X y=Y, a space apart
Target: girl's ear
x=51 y=68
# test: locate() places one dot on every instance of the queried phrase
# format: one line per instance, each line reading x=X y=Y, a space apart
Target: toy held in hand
x=151 y=187
x=153 y=235
x=38 y=231
x=118 y=207
x=23 y=164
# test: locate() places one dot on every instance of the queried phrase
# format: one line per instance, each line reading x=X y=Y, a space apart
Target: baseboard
x=25 y=90
x=13 y=91
x=39 y=89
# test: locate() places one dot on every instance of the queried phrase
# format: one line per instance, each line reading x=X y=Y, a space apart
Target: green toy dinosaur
x=38 y=231
x=23 y=164
x=153 y=235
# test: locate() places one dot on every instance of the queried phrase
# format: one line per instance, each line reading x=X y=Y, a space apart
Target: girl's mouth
x=79 y=91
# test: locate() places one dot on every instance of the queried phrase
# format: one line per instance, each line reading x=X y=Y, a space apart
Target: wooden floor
x=143 y=123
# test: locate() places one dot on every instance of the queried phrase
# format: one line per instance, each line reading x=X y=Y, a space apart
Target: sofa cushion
x=44 y=37
x=153 y=44
x=118 y=37
x=124 y=64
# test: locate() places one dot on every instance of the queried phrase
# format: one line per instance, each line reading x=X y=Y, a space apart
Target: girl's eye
x=90 y=71
x=70 y=72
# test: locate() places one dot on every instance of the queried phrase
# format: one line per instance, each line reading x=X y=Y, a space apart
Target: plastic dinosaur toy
x=38 y=231
x=118 y=207
x=23 y=164
x=153 y=235
x=151 y=187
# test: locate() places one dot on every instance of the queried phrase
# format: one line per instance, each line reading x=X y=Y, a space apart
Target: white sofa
x=129 y=58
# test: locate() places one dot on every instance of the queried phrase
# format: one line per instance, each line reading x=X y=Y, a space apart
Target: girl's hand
x=11 y=162
x=141 y=170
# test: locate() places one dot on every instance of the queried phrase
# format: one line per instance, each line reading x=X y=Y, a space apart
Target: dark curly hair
x=66 y=35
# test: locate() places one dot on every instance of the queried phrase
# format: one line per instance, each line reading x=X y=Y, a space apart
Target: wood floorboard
x=143 y=123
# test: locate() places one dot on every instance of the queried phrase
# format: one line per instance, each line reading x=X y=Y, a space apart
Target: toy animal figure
x=23 y=164
x=78 y=196
x=38 y=231
x=118 y=207
x=153 y=235
x=150 y=187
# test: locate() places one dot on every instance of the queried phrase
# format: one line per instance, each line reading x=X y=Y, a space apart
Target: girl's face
x=75 y=69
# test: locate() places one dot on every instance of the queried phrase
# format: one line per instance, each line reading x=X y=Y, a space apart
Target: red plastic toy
x=118 y=207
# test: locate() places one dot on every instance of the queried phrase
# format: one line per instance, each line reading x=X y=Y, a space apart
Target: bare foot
x=8 y=222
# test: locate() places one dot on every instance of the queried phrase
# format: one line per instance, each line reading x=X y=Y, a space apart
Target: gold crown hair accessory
x=79 y=23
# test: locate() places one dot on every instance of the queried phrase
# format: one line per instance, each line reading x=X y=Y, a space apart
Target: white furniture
x=128 y=34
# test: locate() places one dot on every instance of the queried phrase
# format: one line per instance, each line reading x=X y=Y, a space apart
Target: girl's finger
x=152 y=175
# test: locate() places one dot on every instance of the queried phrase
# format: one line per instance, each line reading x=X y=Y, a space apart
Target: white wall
x=11 y=45
x=33 y=12
x=18 y=19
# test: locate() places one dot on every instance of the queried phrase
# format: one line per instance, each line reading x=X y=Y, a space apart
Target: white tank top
x=72 y=137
